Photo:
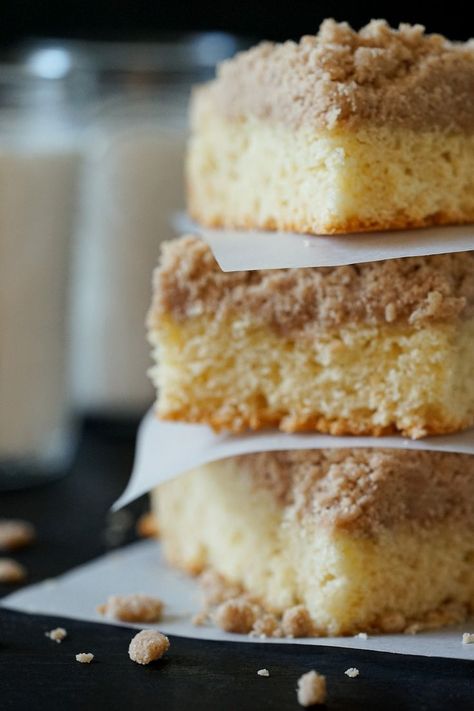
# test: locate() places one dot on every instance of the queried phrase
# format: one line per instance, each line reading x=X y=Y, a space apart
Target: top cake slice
x=342 y=132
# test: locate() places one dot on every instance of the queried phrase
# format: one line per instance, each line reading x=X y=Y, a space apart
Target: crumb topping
x=11 y=572
x=15 y=534
x=311 y=689
x=84 y=657
x=132 y=608
x=57 y=635
x=367 y=490
x=379 y=75
x=148 y=646
x=412 y=291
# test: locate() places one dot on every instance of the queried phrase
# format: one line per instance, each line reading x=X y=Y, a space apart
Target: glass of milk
x=131 y=184
x=39 y=163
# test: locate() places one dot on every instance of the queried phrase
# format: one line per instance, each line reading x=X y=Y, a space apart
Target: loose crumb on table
x=15 y=534
x=84 y=657
x=352 y=672
x=311 y=689
x=57 y=635
x=12 y=572
x=148 y=646
x=263 y=672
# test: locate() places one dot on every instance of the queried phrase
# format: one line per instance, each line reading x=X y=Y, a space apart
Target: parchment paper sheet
x=166 y=449
x=140 y=568
x=238 y=250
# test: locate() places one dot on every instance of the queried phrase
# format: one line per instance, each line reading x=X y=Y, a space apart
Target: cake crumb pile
x=11 y=572
x=15 y=534
x=84 y=657
x=148 y=646
x=132 y=608
x=311 y=689
x=57 y=635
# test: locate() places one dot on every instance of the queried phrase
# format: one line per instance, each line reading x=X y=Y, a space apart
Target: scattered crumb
x=215 y=589
x=362 y=635
x=200 y=618
x=148 y=646
x=84 y=657
x=132 y=608
x=296 y=622
x=11 y=572
x=237 y=615
x=263 y=672
x=468 y=638
x=352 y=672
x=57 y=635
x=311 y=689
x=147 y=526
x=15 y=533
x=266 y=626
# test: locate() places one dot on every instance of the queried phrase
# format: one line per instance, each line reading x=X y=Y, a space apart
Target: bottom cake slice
x=366 y=539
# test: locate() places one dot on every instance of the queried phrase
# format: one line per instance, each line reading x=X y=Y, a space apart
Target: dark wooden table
x=74 y=526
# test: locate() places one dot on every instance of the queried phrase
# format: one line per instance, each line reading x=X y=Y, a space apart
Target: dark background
x=146 y=19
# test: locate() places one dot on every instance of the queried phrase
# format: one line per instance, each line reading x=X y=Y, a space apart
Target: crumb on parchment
x=148 y=646
x=311 y=689
x=236 y=615
x=132 y=608
x=468 y=638
x=296 y=622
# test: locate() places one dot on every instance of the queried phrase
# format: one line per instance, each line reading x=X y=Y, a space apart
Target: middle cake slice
x=366 y=349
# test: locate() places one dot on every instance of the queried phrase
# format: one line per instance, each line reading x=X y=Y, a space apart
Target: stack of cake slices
x=342 y=132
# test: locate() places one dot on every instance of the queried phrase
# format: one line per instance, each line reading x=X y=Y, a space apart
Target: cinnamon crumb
x=148 y=646
x=311 y=689
x=11 y=572
x=296 y=622
x=132 y=608
x=57 y=635
x=352 y=672
x=84 y=657
x=15 y=533
x=236 y=615
x=263 y=672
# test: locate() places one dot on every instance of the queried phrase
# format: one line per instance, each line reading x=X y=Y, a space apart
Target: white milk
x=37 y=194
x=131 y=183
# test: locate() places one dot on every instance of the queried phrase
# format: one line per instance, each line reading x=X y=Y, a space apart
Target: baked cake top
x=414 y=290
x=378 y=75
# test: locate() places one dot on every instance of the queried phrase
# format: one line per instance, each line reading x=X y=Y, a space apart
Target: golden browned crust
x=226 y=419
x=415 y=291
x=377 y=75
x=402 y=221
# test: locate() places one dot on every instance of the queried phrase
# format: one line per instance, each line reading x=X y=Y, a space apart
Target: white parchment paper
x=141 y=568
x=239 y=250
x=166 y=449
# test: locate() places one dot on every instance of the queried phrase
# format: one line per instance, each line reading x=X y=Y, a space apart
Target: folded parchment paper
x=140 y=568
x=238 y=250
x=166 y=449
